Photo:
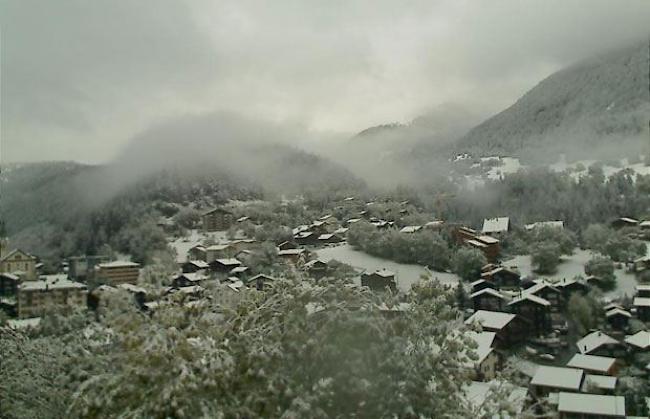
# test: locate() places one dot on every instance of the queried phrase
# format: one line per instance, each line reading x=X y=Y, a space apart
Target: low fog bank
x=229 y=146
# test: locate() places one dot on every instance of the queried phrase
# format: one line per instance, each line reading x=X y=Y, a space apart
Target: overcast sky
x=80 y=78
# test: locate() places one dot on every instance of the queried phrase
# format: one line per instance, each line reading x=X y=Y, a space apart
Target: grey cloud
x=80 y=78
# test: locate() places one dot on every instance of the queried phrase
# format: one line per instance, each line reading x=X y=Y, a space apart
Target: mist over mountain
x=599 y=106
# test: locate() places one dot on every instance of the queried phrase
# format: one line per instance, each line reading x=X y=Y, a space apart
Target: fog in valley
x=300 y=209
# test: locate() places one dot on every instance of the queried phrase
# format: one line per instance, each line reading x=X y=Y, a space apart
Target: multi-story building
x=34 y=297
x=20 y=263
x=217 y=219
x=117 y=272
x=82 y=268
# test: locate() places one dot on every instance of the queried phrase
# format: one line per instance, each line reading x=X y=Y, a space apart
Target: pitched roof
x=593 y=341
x=228 y=262
x=477 y=393
x=592 y=404
x=602 y=382
x=410 y=229
x=558 y=377
x=385 y=273
x=484 y=342
x=616 y=311
x=496 y=225
x=13 y=252
x=490 y=291
x=494 y=320
x=640 y=340
x=641 y=302
x=591 y=362
x=532 y=298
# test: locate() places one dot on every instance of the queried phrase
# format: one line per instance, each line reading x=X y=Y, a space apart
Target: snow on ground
x=573 y=266
x=405 y=274
x=195 y=237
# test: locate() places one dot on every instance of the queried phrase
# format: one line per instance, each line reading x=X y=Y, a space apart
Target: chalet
x=644 y=225
x=548 y=292
x=570 y=286
x=82 y=268
x=217 y=251
x=596 y=406
x=598 y=343
x=243 y=219
x=488 y=299
x=306 y=238
x=599 y=384
x=509 y=328
x=19 y=263
x=594 y=364
x=624 y=222
x=293 y=256
x=319 y=227
x=410 y=229
x=217 y=219
x=642 y=306
x=239 y=272
x=478 y=396
x=242 y=244
x=330 y=238
x=503 y=277
x=197 y=252
x=316 y=268
x=117 y=272
x=224 y=266
x=287 y=245
x=352 y=221
x=554 y=379
x=643 y=290
x=639 y=342
x=535 y=309
x=33 y=297
x=188 y=279
x=489 y=246
x=485 y=367
x=496 y=226
x=379 y=280
x=462 y=234
x=260 y=282
x=194 y=266
x=641 y=264
x=618 y=318
x=481 y=284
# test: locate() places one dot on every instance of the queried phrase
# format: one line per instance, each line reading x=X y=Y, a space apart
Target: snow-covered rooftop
x=496 y=225
x=558 y=377
x=593 y=341
x=592 y=404
x=494 y=320
x=592 y=363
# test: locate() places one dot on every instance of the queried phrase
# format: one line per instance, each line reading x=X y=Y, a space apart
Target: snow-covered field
x=573 y=266
x=405 y=274
x=183 y=244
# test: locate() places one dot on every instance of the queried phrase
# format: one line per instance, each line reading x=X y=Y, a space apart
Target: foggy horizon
x=80 y=80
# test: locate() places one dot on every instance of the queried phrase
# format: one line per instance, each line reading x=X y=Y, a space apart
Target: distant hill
x=600 y=104
x=56 y=209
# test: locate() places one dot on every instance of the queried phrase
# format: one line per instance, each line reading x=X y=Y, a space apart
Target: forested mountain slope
x=602 y=103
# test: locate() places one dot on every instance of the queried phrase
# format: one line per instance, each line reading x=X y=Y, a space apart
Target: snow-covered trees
x=298 y=350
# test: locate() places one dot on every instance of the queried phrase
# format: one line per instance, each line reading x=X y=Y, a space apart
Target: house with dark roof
x=379 y=280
